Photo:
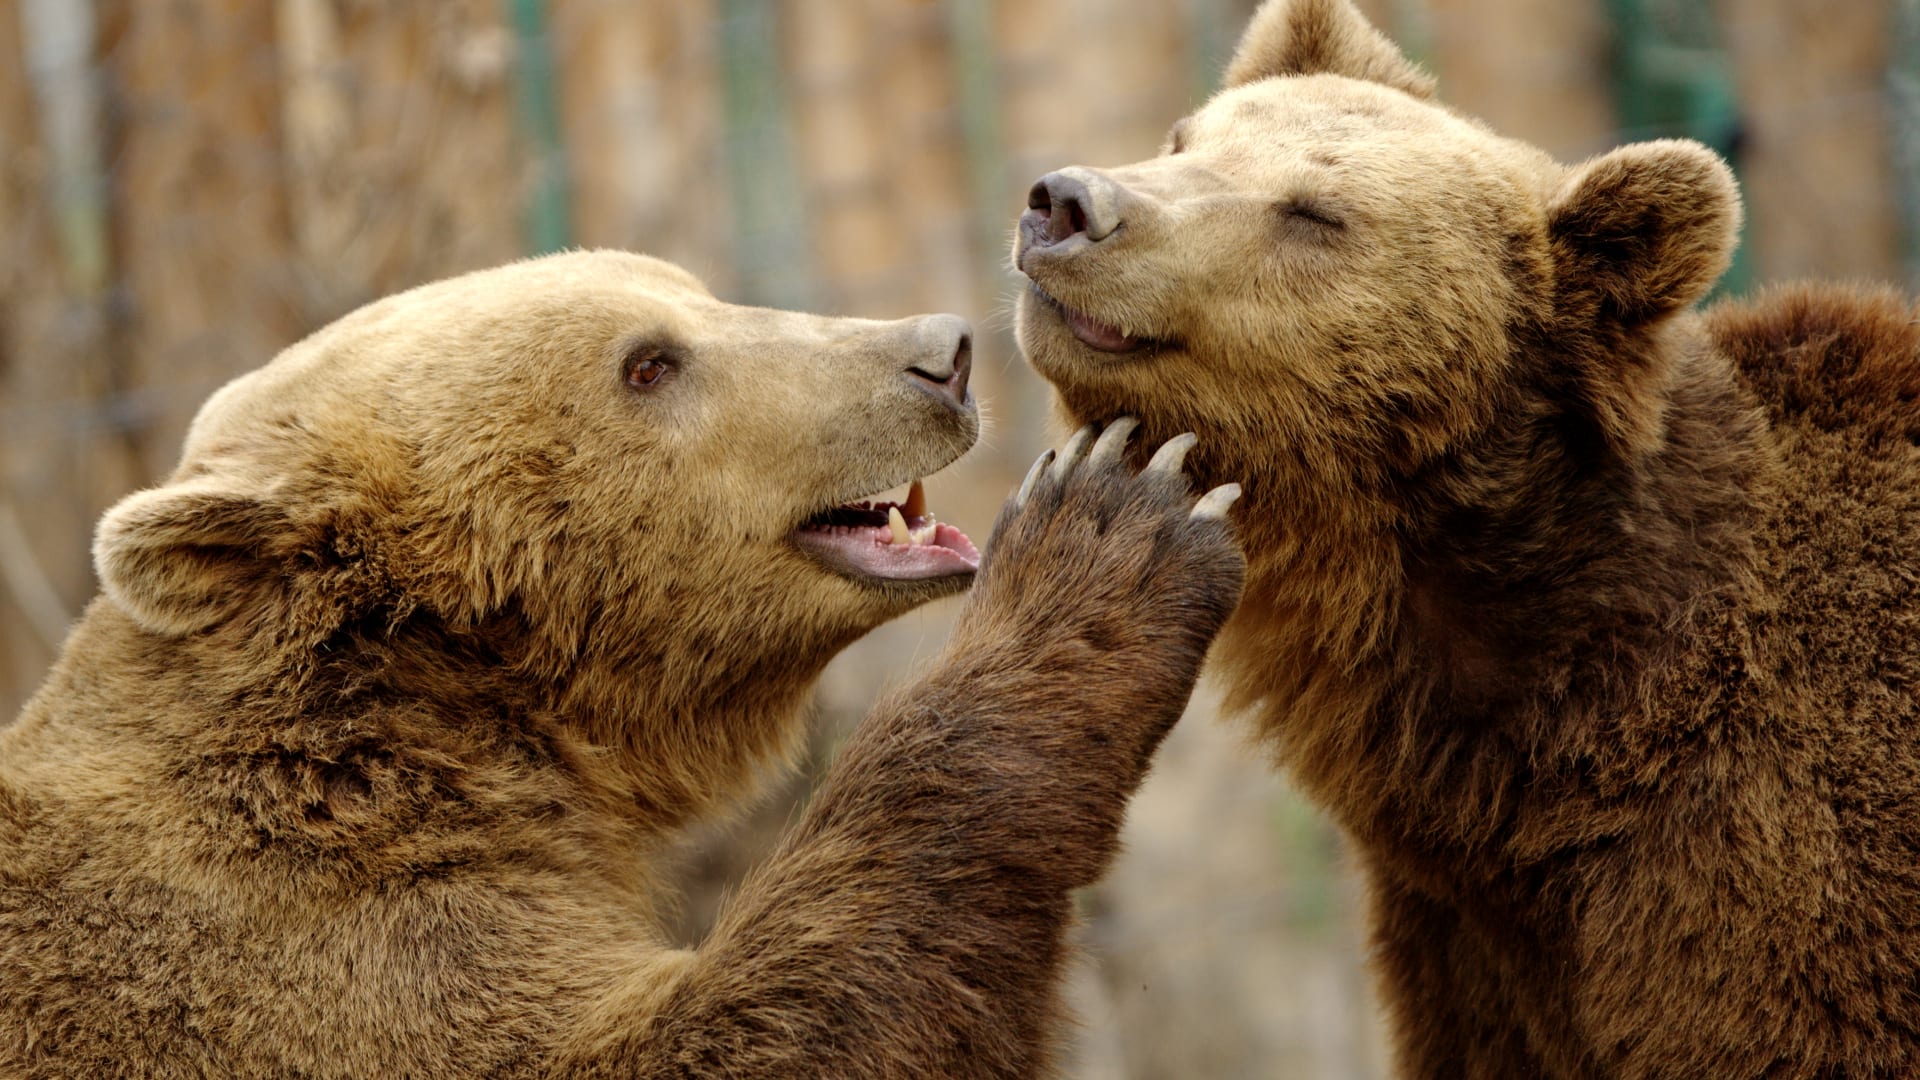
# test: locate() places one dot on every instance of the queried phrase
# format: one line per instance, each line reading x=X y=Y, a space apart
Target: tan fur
x=1596 y=622
x=365 y=761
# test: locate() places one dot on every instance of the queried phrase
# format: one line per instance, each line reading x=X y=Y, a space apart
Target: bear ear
x=183 y=557
x=1646 y=229
x=1313 y=37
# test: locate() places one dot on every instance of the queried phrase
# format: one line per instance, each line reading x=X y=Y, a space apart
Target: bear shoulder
x=1827 y=355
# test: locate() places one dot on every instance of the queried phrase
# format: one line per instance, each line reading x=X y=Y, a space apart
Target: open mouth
x=894 y=541
x=1092 y=332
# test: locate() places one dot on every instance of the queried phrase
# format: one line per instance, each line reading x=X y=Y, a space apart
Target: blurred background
x=186 y=186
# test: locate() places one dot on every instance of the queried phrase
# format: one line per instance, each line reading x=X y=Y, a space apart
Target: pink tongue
x=1097 y=334
x=871 y=552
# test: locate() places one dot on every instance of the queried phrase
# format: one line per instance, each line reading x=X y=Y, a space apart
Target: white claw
x=1172 y=453
x=1107 y=448
x=899 y=526
x=1215 y=503
x=1070 y=453
x=1033 y=477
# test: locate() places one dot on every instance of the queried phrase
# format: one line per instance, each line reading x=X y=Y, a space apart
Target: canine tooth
x=899 y=526
x=916 y=501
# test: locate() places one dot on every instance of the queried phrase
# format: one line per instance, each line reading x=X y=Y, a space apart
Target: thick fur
x=1594 y=620
x=365 y=762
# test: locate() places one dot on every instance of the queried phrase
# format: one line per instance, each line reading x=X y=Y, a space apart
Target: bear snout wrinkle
x=943 y=347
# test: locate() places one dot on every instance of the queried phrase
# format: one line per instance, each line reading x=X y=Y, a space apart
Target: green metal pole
x=548 y=224
x=1903 y=118
x=1211 y=28
x=992 y=191
x=773 y=250
x=1671 y=80
x=59 y=42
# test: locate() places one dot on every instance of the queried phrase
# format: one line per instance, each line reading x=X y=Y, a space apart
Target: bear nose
x=943 y=345
x=1074 y=200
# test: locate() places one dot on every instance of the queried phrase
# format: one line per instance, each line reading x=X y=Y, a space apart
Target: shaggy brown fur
x=365 y=762
x=1594 y=620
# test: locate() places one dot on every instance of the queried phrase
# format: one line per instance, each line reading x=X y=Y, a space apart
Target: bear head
x=1343 y=286
x=642 y=498
x=1323 y=245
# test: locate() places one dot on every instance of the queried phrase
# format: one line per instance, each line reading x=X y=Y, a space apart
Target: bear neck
x=1419 y=652
x=678 y=727
x=632 y=731
x=665 y=722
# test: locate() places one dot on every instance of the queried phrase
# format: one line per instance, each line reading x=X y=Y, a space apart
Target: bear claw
x=1112 y=441
x=1107 y=450
x=1173 y=454
x=1214 y=504
x=1070 y=453
x=1033 y=476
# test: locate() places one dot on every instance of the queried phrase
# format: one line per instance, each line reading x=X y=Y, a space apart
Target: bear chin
x=1089 y=331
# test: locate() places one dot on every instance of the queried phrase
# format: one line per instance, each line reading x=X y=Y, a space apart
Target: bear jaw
x=889 y=541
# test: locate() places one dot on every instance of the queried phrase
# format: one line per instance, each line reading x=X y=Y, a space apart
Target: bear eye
x=648 y=365
x=646 y=372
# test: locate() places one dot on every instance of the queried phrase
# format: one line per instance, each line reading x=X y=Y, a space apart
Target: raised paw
x=1115 y=555
x=1099 y=450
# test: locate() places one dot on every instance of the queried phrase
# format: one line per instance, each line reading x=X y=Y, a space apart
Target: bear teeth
x=907 y=523
x=903 y=536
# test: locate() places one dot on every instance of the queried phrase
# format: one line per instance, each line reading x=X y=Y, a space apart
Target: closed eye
x=1312 y=212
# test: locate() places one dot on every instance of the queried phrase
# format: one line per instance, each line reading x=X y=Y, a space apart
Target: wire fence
x=189 y=185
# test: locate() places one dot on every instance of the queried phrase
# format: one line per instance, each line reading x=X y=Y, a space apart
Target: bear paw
x=1122 y=567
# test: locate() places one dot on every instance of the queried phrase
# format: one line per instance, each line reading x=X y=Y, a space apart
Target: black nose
x=1073 y=200
x=946 y=351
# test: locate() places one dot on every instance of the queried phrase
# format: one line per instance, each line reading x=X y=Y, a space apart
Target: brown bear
x=1593 y=619
x=365 y=762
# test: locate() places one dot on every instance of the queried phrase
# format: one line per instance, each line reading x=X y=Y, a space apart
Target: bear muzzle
x=945 y=343
x=897 y=541
x=1074 y=212
x=1071 y=202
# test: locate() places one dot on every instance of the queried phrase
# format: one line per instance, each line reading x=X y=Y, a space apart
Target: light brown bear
x=1594 y=620
x=365 y=761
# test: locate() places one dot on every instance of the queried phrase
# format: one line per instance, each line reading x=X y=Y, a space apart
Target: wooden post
x=1817 y=166
x=62 y=456
x=200 y=211
x=849 y=194
x=1533 y=71
x=640 y=100
x=397 y=149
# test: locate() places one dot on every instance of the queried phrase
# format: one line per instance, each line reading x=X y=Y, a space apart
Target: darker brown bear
x=1594 y=620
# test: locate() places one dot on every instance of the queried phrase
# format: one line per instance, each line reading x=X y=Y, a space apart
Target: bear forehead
x=597 y=267
x=528 y=319
x=1337 y=121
